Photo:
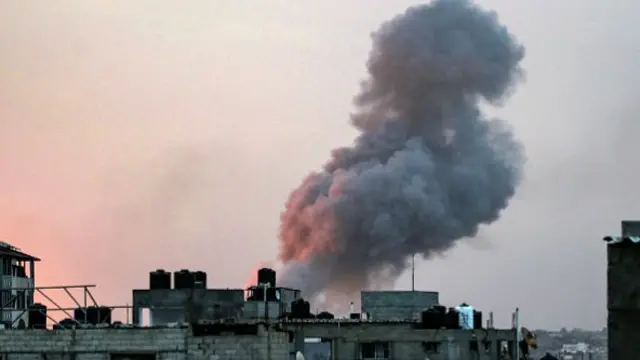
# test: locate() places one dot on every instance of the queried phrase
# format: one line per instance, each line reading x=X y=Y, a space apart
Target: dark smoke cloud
x=427 y=169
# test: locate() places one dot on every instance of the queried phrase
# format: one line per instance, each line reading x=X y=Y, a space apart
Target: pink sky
x=143 y=135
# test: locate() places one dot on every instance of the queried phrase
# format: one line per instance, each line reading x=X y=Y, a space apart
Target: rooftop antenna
x=413 y=272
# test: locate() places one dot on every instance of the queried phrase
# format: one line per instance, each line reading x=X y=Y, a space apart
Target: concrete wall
x=165 y=343
x=397 y=305
x=256 y=310
x=344 y=340
x=177 y=305
x=405 y=342
x=623 y=295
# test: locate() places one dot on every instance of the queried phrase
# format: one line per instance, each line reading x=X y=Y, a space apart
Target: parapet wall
x=164 y=343
x=346 y=340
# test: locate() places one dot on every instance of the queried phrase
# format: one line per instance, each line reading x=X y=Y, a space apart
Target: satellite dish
x=299 y=356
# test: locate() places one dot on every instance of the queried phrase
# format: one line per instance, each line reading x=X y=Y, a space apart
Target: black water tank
x=200 y=279
x=38 y=316
x=298 y=309
x=452 y=319
x=65 y=324
x=257 y=294
x=183 y=279
x=81 y=315
x=159 y=279
x=433 y=318
x=93 y=315
x=273 y=294
x=306 y=309
x=103 y=315
x=267 y=276
x=477 y=319
x=325 y=315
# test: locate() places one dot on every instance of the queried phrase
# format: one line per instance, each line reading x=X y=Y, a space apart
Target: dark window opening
x=134 y=356
x=6 y=267
x=374 y=350
x=473 y=346
x=487 y=346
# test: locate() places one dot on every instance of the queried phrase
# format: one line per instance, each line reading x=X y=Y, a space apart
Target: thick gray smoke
x=427 y=169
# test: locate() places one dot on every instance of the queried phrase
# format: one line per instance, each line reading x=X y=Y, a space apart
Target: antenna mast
x=413 y=272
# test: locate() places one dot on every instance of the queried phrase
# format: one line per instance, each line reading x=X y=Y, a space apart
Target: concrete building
x=338 y=340
x=168 y=306
x=623 y=292
x=142 y=344
x=401 y=340
x=17 y=281
x=186 y=305
x=397 y=305
x=233 y=324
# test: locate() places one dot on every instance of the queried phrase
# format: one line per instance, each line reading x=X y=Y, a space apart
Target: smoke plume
x=427 y=168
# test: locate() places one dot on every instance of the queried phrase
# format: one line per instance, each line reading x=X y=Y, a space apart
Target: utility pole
x=267 y=323
x=413 y=272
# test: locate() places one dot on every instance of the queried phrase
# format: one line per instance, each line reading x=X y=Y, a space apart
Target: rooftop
x=7 y=250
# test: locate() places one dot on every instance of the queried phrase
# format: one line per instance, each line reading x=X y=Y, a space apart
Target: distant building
x=578 y=348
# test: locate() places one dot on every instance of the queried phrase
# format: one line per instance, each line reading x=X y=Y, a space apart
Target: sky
x=151 y=134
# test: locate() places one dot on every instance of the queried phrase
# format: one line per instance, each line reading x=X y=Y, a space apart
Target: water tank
x=477 y=319
x=434 y=318
x=452 y=319
x=93 y=315
x=306 y=308
x=159 y=279
x=38 y=316
x=325 y=315
x=267 y=276
x=200 y=279
x=465 y=313
x=81 y=315
x=298 y=308
x=273 y=294
x=103 y=315
x=65 y=324
x=183 y=279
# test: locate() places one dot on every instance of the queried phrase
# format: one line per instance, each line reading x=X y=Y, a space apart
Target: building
x=623 y=292
x=190 y=322
x=397 y=305
x=16 y=286
x=337 y=339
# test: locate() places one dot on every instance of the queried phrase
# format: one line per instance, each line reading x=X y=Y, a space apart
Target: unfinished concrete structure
x=141 y=344
x=397 y=305
x=190 y=305
x=623 y=292
x=336 y=339
x=220 y=324
x=186 y=305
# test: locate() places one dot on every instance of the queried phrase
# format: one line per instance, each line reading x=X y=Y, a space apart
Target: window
x=487 y=346
x=21 y=300
x=374 y=350
x=431 y=347
x=475 y=346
